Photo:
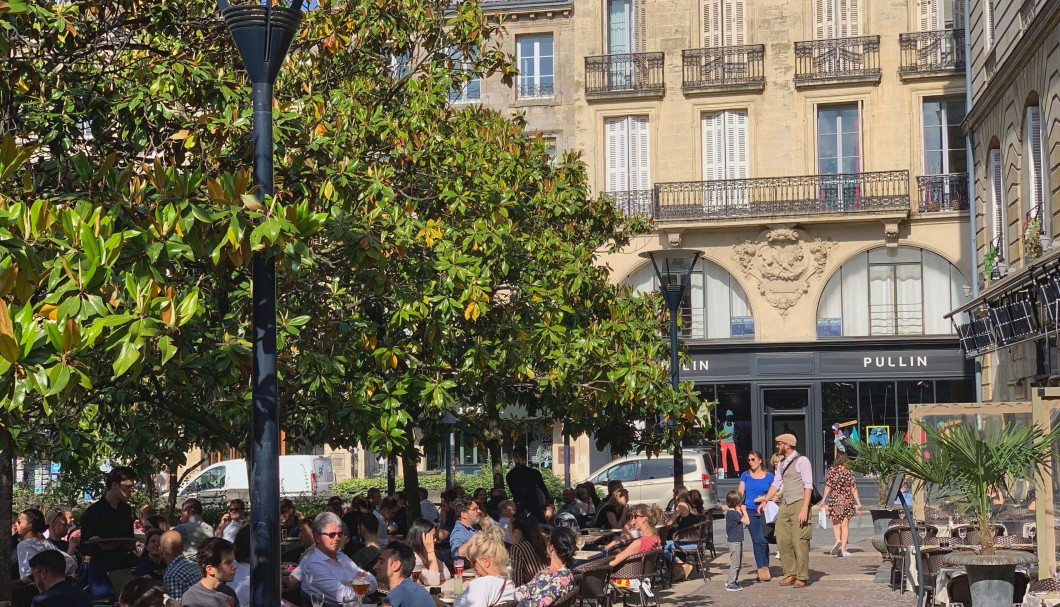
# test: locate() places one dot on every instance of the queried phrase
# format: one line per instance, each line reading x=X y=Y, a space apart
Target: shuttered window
x=724 y=22
x=725 y=145
x=928 y=10
x=628 y=154
x=996 y=212
x=837 y=19
x=1033 y=152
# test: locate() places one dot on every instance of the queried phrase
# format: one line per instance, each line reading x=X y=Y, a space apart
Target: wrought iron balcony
x=837 y=60
x=848 y=194
x=935 y=53
x=529 y=89
x=947 y=192
x=634 y=202
x=625 y=75
x=724 y=68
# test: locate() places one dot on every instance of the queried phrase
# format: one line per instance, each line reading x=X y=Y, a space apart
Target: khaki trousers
x=793 y=541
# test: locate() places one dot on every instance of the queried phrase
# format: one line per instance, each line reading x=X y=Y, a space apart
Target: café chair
x=594 y=582
x=959 y=591
x=640 y=567
x=933 y=561
x=1044 y=586
x=567 y=600
x=696 y=556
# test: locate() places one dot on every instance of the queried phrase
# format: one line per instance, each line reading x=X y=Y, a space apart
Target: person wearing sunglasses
x=232 y=521
x=327 y=570
x=486 y=553
x=644 y=519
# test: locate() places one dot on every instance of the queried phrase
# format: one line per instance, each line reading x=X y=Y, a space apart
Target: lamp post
x=263 y=34
x=673 y=268
x=450 y=445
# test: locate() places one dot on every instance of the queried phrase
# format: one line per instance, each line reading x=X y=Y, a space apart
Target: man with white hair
x=326 y=570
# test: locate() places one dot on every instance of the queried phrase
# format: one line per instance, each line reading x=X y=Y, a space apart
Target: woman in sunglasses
x=644 y=519
x=487 y=554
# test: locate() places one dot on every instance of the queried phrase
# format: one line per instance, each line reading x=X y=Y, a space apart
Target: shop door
x=787 y=408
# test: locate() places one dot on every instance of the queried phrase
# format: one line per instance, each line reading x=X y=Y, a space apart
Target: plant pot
x=881 y=519
x=991 y=579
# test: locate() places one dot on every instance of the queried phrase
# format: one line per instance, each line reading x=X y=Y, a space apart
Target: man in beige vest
x=794 y=476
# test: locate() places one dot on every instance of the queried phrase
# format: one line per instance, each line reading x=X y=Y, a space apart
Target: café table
x=449 y=594
x=1050 y=599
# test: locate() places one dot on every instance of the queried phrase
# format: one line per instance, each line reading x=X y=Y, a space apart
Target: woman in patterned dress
x=557 y=579
x=842 y=502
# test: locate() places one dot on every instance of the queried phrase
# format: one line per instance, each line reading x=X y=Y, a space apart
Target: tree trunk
x=409 y=458
x=7 y=477
x=493 y=438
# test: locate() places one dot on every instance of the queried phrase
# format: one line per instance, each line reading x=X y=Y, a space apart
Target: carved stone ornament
x=674 y=238
x=783 y=261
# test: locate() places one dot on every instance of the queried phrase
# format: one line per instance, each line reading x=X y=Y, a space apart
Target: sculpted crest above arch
x=783 y=261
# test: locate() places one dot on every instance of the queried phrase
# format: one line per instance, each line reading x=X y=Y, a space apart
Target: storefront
x=863 y=388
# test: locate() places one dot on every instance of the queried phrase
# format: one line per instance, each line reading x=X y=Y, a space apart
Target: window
x=940 y=14
x=624 y=472
x=465 y=92
x=656 y=467
x=881 y=292
x=944 y=150
x=627 y=152
x=625 y=24
x=723 y=23
x=715 y=307
x=839 y=153
x=1037 y=193
x=837 y=19
x=535 y=66
x=996 y=210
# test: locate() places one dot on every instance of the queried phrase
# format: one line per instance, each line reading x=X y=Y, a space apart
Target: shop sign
x=918 y=363
x=707 y=366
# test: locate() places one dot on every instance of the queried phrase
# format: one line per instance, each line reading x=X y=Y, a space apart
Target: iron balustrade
x=932 y=53
x=723 y=67
x=637 y=73
x=837 y=59
x=634 y=202
x=853 y=193
x=896 y=319
x=528 y=89
x=947 y=192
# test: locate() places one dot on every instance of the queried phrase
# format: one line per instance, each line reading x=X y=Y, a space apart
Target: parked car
x=650 y=480
x=300 y=475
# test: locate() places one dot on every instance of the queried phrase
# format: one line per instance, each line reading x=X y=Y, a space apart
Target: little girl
x=735 y=521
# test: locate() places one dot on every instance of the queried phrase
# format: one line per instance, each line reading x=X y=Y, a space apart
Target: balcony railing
x=837 y=59
x=530 y=89
x=634 y=202
x=630 y=74
x=724 y=68
x=848 y=194
x=932 y=53
x=947 y=192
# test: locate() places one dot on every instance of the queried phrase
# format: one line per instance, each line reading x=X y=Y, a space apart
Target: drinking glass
x=318 y=599
x=458 y=567
x=580 y=542
x=416 y=573
x=360 y=587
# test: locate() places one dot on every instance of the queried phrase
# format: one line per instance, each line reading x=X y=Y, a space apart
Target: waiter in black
x=527 y=487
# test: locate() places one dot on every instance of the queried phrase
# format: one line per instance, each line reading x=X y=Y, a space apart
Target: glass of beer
x=416 y=573
x=360 y=587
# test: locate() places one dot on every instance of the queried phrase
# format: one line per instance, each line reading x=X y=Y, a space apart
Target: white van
x=300 y=475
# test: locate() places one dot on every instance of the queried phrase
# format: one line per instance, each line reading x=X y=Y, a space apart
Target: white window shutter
x=824 y=19
x=735 y=28
x=997 y=201
x=617 y=154
x=640 y=158
x=849 y=19
x=735 y=145
x=990 y=22
x=713 y=139
x=958 y=13
x=710 y=13
x=930 y=19
x=640 y=27
x=1035 y=173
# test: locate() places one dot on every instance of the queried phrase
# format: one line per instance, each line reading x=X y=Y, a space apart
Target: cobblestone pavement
x=833 y=581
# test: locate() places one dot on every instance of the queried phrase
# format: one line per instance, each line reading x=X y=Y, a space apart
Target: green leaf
x=130 y=353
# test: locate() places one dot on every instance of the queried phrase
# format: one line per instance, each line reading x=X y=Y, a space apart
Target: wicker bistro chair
x=898 y=541
x=566 y=600
x=594 y=582
x=1044 y=586
x=933 y=562
x=1015 y=542
x=959 y=591
x=972 y=536
x=639 y=567
x=697 y=556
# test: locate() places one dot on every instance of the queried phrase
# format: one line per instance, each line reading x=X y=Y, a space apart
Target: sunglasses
x=638 y=515
x=235 y=509
x=331 y=534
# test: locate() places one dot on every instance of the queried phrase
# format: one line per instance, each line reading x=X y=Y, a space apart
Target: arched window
x=714 y=308
x=891 y=291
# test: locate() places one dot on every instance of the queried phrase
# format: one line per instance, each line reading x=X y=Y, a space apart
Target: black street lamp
x=673 y=268
x=263 y=34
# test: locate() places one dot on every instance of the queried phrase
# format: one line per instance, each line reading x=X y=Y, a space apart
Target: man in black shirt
x=527 y=487
x=110 y=520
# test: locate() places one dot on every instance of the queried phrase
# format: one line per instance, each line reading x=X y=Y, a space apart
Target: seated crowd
x=519 y=552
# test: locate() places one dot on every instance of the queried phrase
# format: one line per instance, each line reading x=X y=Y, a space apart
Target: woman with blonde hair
x=486 y=553
x=644 y=519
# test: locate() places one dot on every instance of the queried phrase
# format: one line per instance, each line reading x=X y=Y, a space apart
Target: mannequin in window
x=727 y=439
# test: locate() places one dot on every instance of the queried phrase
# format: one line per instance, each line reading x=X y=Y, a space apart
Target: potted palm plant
x=969 y=467
x=881 y=462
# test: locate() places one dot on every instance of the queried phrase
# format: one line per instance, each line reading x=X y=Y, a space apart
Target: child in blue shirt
x=735 y=521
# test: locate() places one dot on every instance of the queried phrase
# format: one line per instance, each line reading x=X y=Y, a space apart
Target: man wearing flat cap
x=794 y=477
